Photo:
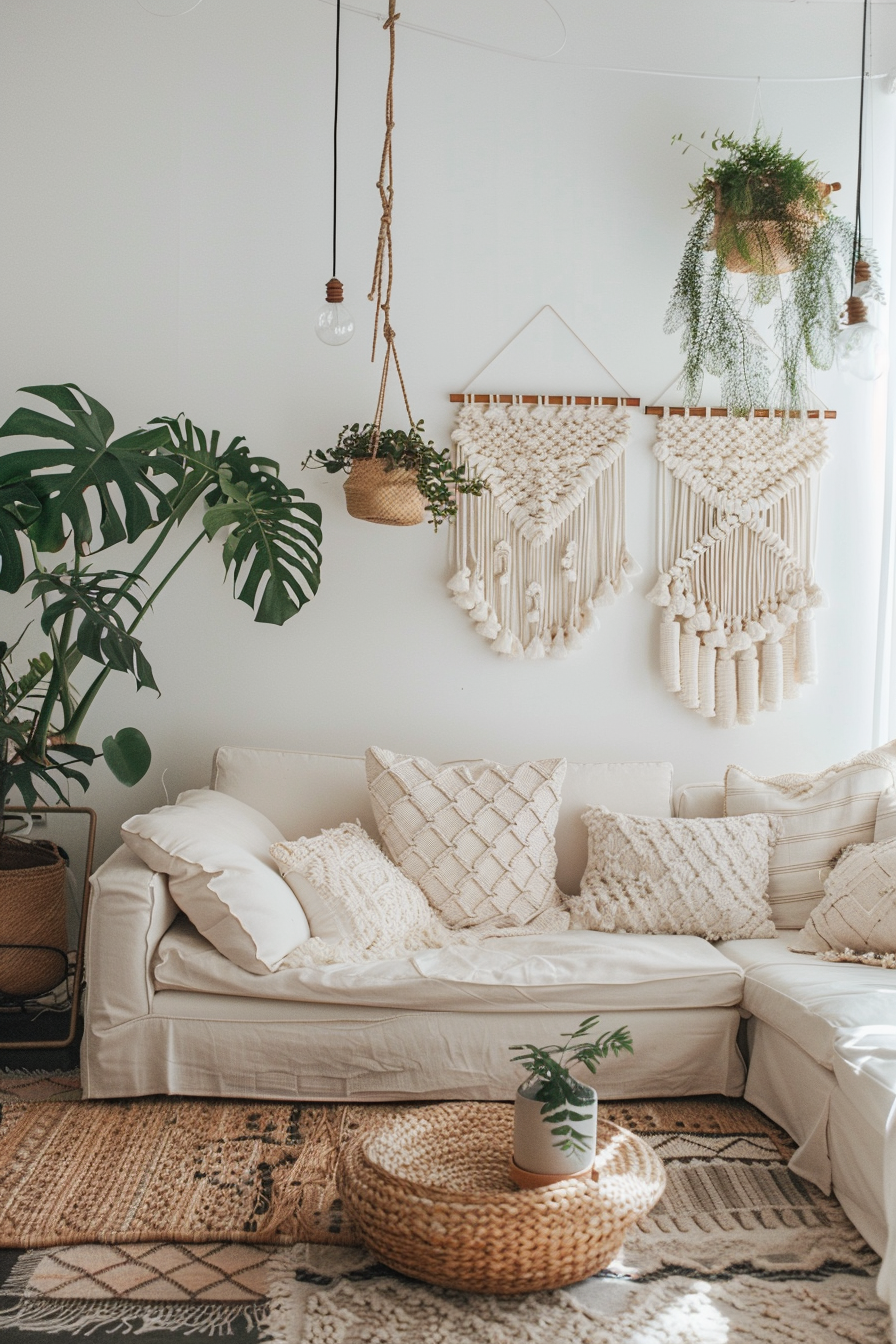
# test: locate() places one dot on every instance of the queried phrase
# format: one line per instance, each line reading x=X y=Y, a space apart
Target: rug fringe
x=56 y=1317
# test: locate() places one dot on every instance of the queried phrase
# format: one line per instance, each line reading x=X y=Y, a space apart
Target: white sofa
x=166 y=1013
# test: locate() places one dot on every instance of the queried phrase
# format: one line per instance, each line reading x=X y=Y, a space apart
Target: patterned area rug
x=737 y=1252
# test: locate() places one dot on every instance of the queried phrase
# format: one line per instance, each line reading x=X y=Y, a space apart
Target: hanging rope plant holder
x=377 y=489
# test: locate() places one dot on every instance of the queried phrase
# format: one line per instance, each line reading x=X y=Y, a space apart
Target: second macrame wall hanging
x=544 y=544
x=737 y=519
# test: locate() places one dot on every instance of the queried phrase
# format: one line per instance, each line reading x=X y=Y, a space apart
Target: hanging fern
x=756 y=202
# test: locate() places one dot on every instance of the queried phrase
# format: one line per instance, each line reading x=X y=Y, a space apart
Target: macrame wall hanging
x=544 y=544
x=736 y=551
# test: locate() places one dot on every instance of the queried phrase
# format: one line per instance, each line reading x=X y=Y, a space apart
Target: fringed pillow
x=856 y=918
x=702 y=876
x=359 y=905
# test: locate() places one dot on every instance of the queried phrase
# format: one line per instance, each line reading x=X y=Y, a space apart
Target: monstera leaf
x=19 y=507
x=101 y=632
x=64 y=480
x=275 y=541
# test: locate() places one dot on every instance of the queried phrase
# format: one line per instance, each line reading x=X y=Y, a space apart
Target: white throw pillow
x=821 y=814
x=701 y=876
x=477 y=838
x=216 y=853
x=858 y=910
x=359 y=905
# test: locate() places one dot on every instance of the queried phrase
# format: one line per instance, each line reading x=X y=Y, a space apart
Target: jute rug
x=738 y=1251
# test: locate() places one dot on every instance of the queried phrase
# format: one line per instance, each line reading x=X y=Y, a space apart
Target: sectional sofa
x=812 y=1044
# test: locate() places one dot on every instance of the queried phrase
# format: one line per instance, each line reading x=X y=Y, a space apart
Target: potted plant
x=395 y=476
x=66 y=501
x=762 y=213
x=555 y=1115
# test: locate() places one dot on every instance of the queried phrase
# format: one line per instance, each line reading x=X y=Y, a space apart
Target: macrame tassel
x=630 y=565
x=726 y=689
x=670 y=659
x=504 y=642
x=747 y=685
x=474 y=593
x=659 y=593
x=558 y=644
x=788 y=658
x=689 y=660
x=772 y=674
x=589 y=620
x=535 y=648
x=605 y=595
x=621 y=585
x=706 y=681
x=806 y=654
x=489 y=628
x=480 y=612
x=573 y=639
x=460 y=582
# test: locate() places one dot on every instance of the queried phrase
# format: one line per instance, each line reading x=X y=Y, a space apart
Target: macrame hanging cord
x=381 y=286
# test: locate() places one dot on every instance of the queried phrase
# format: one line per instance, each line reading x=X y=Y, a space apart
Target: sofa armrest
x=130 y=909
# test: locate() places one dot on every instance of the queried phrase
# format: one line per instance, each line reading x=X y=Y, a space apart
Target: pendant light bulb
x=333 y=322
x=861 y=349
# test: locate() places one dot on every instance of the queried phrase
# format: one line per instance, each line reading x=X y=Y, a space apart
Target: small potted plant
x=394 y=476
x=760 y=212
x=555 y=1115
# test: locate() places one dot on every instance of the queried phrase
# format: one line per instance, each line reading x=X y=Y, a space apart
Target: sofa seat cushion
x=865 y=1068
x=581 y=971
x=808 y=1000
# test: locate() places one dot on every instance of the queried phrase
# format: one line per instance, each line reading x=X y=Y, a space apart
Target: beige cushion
x=477 y=839
x=821 y=814
x=216 y=853
x=359 y=905
x=858 y=910
x=704 y=877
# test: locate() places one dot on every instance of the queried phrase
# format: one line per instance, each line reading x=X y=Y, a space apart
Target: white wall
x=164 y=240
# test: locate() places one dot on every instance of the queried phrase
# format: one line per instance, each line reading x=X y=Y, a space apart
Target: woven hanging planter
x=379 y=495
x=33 y=933
x=768 y=252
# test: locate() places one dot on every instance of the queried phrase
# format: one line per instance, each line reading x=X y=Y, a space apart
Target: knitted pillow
x=359 y=905
x=821 y=813
x=478 y=839
x=857 y=914
x=703 y=876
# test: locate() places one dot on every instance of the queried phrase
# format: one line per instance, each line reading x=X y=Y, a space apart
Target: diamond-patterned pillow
x=477 y=838
x=858 y=910
x=702 y=876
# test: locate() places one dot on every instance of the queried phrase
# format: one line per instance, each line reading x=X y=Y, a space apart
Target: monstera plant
x=66 y=502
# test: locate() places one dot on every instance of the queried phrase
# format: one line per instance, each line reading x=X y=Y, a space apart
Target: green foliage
x=148 y=482
x=756 y=184
x=560 y=1093
x=437 y=480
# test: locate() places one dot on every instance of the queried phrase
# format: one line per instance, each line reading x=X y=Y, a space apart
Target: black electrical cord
x=857 y=232
x=336 y=128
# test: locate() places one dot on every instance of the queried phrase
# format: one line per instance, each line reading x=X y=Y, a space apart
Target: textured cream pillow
x=858 y=910
x=478 y=839
x=359 y=905
x=821 y=814
x=704 y=876
x=216 y=853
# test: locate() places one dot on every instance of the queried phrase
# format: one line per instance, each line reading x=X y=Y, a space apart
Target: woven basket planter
x=32 y=918
x=380 y=496
x=430 y=1196
x=768 y=255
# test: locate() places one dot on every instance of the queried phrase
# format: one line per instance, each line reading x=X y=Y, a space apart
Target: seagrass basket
x=430 y=1195
x=768 y=253
x=33 y=934
x=380 y=496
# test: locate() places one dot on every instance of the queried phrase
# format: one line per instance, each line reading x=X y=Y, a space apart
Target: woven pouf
x=430 y=1195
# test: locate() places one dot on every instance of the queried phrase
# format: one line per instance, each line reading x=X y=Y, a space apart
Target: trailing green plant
x=89 y=492
x=560 y=1093
x=437 y=479
x=755 y=200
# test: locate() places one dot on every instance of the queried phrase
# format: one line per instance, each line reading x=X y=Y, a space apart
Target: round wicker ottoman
x=430 y=1196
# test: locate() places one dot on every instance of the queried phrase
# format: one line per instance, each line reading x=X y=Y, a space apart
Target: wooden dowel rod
x=506 y=398
x=762 y=414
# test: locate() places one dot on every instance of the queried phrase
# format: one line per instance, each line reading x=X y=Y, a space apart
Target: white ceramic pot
x=534 y=1146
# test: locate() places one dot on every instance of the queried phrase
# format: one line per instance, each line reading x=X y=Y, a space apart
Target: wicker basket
x=32 y=918
x=430 y=1196
x=768 y=255
x=381 y=496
